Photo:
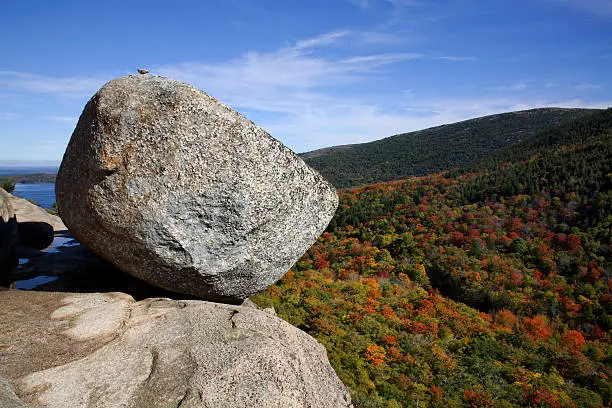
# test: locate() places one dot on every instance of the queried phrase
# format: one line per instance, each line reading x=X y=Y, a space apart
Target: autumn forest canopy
x=484 y=282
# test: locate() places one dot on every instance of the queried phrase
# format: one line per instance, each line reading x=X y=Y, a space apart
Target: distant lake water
x=42 y=193
x=9 y=171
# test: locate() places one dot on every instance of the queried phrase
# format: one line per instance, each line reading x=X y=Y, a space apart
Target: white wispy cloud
x=297 y=95
x=588 y=87
x=512 y=88
x=308 y=99
x=380 y=59
x=287 y=80
x=473 y=107
x=378 y=37
x=24 y=81
x=601 y=8
x=64 y=119
x=366 y=4
x=324 y=39
x=296 y=92
x=453 y=58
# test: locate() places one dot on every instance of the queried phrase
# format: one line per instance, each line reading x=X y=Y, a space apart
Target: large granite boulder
x=178 y=189
x=9 y=237
x=106 y=350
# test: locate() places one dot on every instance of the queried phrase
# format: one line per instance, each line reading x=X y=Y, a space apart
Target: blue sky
x=312 y=73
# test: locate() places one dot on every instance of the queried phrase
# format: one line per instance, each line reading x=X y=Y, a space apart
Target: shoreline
x=30 y=178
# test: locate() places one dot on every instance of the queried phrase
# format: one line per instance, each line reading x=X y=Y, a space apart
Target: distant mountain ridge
x=435 y=149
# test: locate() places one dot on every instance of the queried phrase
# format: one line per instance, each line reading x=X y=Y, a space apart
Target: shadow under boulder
x=35 y=234
x=68 y=266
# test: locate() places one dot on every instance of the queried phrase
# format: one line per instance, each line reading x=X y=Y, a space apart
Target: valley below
x=483 y=286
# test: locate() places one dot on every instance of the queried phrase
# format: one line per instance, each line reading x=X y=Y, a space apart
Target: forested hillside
x=433 y=150
x=480 y=288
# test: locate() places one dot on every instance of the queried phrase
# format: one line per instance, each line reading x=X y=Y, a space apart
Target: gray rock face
x=9 y=236
x=178 y=189
x=106 y=350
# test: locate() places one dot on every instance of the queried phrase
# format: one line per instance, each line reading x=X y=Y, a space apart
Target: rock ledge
x=100 y=350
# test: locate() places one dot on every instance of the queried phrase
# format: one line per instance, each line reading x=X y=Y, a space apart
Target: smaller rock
x=270 y=311
x=249 y=303
x=28 y=212
x=36 y=225
x=9 y=237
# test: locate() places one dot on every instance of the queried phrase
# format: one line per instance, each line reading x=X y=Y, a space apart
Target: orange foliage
x=506 y=320
x=571 y=307
x=375 y=355
x=388 y=312
x=394 y=353
x=390 y=340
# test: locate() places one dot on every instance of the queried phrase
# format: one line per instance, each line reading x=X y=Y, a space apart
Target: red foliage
x=516 y=278
x=542 y=397
x=571 y=307
x=457 y=238
x=475 y=399
x=573 y=340
x=436 y=393
x=597 y=333
x=537 y=327
x=321 y=263
x=573 y=242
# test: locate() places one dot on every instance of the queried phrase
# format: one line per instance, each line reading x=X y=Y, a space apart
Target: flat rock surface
x=107 y=350
x=178 y=189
